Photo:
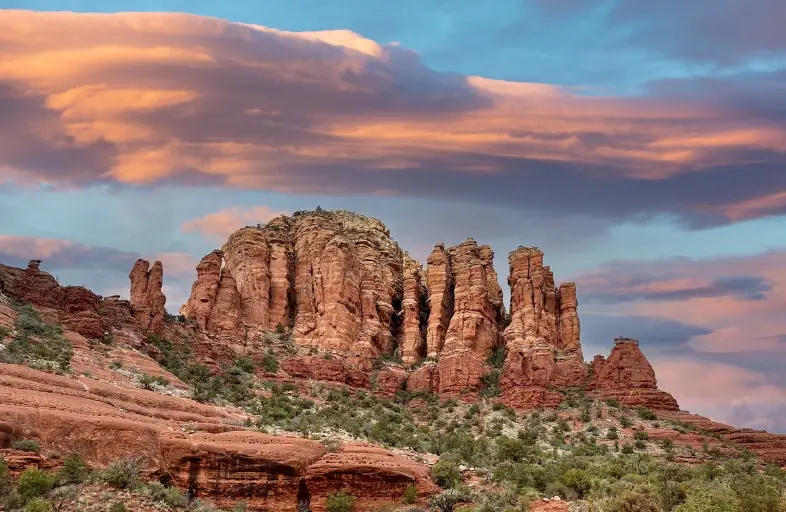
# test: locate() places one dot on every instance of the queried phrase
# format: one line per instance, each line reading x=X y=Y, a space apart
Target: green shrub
x=447 y=500
x=26 y=445
x=446 y=474
x=612 y=434
x=123 y=473
x=410 y=495
x=73 y=471
x=38 y=344
x=641 y=435
x=625 y=422
x=340 y=502
x=169 y=496
x=578 y=481
x=627 y=449
x=5 y=477
x=117 y=506
x=646 y=414
x=38 y=505
x=270 y=362
x=34 y=483
x=637 y=499
x=712 y=498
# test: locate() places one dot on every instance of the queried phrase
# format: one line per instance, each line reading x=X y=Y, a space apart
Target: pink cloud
x=740 y=299
x=139 y=97
x=717 y=390
x=221 y=224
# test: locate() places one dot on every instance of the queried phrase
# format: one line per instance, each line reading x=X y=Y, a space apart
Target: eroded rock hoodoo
x=339 y=284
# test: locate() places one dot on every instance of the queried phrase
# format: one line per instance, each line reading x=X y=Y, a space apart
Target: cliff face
x=341 y=285
x=147 y=299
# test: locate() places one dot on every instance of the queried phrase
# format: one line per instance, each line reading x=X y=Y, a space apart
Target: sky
x=641 y=145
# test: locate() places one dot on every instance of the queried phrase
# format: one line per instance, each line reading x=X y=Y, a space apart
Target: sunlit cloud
x=139 y=99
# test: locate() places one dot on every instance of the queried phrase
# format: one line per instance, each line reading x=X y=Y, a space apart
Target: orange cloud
x=223 y=223
x=170 y=92
x=30 y=247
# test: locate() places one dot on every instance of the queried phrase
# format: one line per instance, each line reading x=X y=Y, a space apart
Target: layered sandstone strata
x=335 y=278
x=75 y=307
x=628 y=376
x=542 y=339
x=147 y=300
x=474 y=328
x=413 y=309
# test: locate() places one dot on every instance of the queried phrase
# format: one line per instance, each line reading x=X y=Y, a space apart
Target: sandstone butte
x=340 y=286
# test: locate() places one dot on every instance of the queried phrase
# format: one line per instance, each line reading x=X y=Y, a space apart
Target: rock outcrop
x=204 y=290
x=335 y=278
x=220 y=462
x=542 y=339
x=75 y=307
x=147 y=300
x=413 y=309
x=627 y=376
x=341 y=285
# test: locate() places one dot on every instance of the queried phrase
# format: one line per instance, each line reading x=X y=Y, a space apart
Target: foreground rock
x=217 y=460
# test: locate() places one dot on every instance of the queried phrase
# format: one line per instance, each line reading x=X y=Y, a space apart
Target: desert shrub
x=410 y=495
x=710 y=497
x=26 y=445
x=625 y=422
x=5 y=477
x=38 y=505
x=637 y=499
x=34 y=483
x=646 y=413
x=123 y=473
x=578 y=481
x=641 y=435
x=758 y=494
x=73 y=471
x=169 y=496
x=49 y=349
x=340 y=501
x=612 y=434
x=446 y=474
x=117 y=506
x=270 y=362
x=446 y=501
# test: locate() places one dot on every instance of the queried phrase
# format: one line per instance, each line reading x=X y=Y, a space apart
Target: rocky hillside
x=314 y=357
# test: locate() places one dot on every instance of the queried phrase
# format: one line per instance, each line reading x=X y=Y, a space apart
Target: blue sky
x=640 y=145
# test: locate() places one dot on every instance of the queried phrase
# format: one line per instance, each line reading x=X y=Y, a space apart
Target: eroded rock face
x=75 y=307
x=335 y=278
x=413 y=341
x=344 y=288
x=147 y=300
x=628 y=376
x=204 y=289
x=439 y=279
x=542 y=339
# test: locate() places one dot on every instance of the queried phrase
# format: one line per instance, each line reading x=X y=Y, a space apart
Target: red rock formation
x=73 y=306
x=389 y=380
x=204 y=289
x=413 y=343
x=542 y=339
x=147 y=299
x=247 y=256
x=439 y=279
x=628 y=377
x=282 y=268
x=220 y=462
x=226 y=310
